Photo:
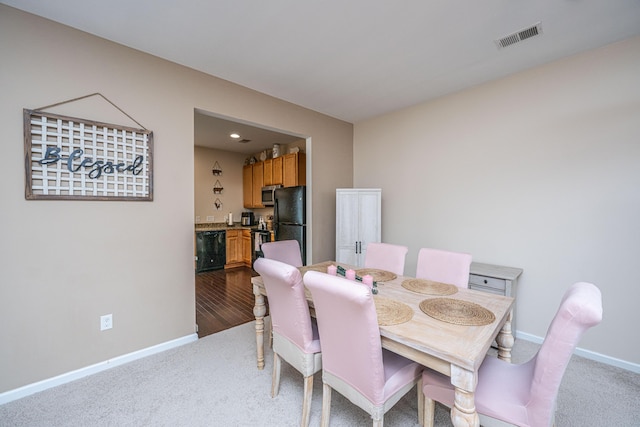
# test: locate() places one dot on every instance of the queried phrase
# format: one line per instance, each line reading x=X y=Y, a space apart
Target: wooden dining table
x=453 y=349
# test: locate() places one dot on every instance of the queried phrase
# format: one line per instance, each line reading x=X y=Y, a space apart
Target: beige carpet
x=214 y=382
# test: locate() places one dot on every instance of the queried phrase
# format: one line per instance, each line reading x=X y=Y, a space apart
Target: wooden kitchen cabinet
x=294 y=169
x=288 y=170
x=268 y=172
x=247 y=186
x=246 y=247
x=258 y=183
x=252 y=183
x=276 y=171
x=234 y=249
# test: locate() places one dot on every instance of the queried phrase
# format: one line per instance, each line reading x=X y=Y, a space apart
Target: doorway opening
x=221 y=295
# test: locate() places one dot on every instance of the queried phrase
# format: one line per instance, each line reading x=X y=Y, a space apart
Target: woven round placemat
x=321 y=267
x=378 y=275
x=424 y=286
x=391 y=312
x=457 y=312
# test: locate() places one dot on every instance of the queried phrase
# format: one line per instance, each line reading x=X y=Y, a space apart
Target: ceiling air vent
x=243 y=141
x=519 y=36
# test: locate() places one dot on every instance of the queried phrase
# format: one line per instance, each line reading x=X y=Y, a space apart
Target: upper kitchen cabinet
x=258 y=183
x=273 y=171
x=247 y=185
x=288 y=170
x=268 y=172
x=294 y=169
x=252 y=183
x=277 y=171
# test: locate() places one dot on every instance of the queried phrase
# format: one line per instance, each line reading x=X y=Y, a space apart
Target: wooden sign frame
x=68 y=158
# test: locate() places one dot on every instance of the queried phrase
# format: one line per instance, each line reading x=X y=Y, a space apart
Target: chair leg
x=270 y=333
x=420 y=402
x=275 y=376
x=326 y=405
x=429 y=412
x=306 y=403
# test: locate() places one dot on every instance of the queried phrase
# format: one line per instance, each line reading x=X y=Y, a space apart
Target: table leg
x=463 y=413
x=505 y=340
x=259 y=310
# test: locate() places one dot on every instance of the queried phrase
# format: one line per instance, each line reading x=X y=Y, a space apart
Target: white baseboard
x=587 y=354
x=18 y=393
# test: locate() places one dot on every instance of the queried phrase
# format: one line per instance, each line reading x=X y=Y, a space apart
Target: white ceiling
x=350 y=59
x=214 y=132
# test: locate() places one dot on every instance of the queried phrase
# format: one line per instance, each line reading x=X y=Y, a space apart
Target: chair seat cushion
x=398 y=371
x=314 y=346
x=502 y=391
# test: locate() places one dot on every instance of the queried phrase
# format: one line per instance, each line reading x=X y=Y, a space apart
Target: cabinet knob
x=486 y=281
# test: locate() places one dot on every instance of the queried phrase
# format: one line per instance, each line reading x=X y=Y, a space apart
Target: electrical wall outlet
x=209 y=218
x=197 y=219
x=106 y=322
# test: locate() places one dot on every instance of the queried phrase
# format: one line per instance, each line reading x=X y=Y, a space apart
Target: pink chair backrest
x=348 y=328
x=444 y=266
x=385 y=256
x=580 y=309
x=288 y=304
x=287 y=251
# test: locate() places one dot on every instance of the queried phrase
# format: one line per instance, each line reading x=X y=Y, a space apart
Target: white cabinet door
x=369 y=223
x=346 y=226
x=358 y=222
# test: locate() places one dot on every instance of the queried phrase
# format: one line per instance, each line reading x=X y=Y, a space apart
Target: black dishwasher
x=211 y=250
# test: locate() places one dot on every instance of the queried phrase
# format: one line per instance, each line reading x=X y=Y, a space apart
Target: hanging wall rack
x=217 y=170
x=217 y=188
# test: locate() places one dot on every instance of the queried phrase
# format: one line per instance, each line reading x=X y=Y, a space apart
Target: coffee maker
x=247 y=219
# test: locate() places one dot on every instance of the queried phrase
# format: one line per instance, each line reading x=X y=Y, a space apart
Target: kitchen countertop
x=208 y=226
x=212 y=226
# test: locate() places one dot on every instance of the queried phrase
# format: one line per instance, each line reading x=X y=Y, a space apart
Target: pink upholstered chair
x=353 y=360
x=295 y=336
x=386 y=256
x=525 y=394
x=287 y=251
x=444 y=266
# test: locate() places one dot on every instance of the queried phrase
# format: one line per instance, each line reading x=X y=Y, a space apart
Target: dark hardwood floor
x=224 y=299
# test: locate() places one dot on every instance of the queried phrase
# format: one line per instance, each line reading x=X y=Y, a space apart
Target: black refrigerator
x=290 y=216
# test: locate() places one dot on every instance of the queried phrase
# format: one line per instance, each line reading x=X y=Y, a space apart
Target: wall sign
x=76 y=159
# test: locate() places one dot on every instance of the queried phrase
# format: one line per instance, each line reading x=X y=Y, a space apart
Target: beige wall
x=231 y=180
x=540 y=170
x=65 y=263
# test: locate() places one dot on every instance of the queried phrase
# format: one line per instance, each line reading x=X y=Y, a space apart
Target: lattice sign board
x=77 y=159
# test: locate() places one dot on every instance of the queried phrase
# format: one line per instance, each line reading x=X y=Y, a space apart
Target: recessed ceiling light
x=234 y=136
